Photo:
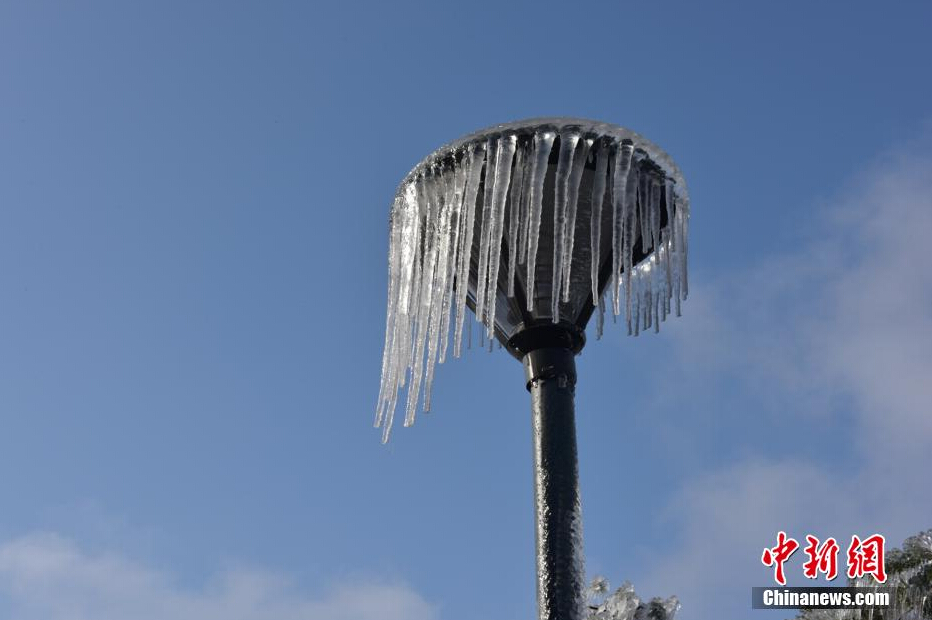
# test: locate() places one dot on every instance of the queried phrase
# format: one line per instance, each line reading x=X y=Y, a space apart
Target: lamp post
x=534 y=226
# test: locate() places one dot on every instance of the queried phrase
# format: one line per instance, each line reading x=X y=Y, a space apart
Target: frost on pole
x=527 y=223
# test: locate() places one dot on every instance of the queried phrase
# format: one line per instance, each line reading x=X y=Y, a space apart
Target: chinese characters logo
x=865 y=557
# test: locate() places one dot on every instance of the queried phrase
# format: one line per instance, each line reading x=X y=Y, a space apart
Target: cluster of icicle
x=434 y=221
x=625 y=604
x=909 y=586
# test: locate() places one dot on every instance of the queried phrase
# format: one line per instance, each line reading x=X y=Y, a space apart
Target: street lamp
x=534 y=226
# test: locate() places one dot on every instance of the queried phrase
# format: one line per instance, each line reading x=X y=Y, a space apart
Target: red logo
x=778 y=555
x=822 y=559
x=865 y=557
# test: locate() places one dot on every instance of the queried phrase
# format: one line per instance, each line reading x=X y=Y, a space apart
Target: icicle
x=410 y=247
x=595 y=226
x=572 y=198
x=484 y=235
x=600 y=317
x=426 y=296
x=673 y=246
x=561 y=190
x=635 y=294
x=683 y=236
x=409 y=294
x=648 y=295
x=654 y=213
x=514 y=219
x=657 y=293
x=667 y=250
x=504 y=156
x=622 y=165
x=474 y=157
x=410 y=239
x=629 y=218
x=414 y=302
x=394 y=258
x=523 y=200
x=442 y=187
x=542 y=145
x=456 y=226
x=643 y=206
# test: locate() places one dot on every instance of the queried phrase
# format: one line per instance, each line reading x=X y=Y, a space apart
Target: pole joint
x=550 y=364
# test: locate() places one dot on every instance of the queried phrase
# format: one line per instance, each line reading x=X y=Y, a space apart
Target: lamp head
x=534 y=226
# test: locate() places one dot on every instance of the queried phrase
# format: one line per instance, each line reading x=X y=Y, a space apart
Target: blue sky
x=193 y=240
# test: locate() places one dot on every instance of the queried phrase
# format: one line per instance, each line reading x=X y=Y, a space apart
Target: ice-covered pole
x=551 y=380
x=533 y=226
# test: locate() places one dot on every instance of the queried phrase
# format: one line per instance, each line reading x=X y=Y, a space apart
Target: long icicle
x=394 y=249
x=643 y=215
x=514 y=219
x=543 y=142
x=667 y=246
x=654 y=212
x=655 y=261
x=414 y=300
x=629 y=216
x=561 y=189
x=444 y=195
x=484 y=233
x=595 y=226
x=619 y=185
x=572 y=199
x=407 y=292
x=683 y=219
x=673 y=254
x=524 y=200
x=456 y=226
x=636 y=292
x=424 y=303
x=600 y=317
x=504 y=156
x=475 y=155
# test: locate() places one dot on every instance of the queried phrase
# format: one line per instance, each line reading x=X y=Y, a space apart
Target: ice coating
x=513 y=222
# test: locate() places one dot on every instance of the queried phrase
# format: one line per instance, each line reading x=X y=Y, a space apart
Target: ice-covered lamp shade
x=529 y=224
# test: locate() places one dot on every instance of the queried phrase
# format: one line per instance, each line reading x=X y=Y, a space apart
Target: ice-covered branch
x=625 y=604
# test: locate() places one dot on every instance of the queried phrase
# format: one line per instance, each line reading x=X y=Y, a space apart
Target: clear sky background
x=193 y=237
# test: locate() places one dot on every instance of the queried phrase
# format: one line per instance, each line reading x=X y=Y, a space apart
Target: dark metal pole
x=551 y=380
